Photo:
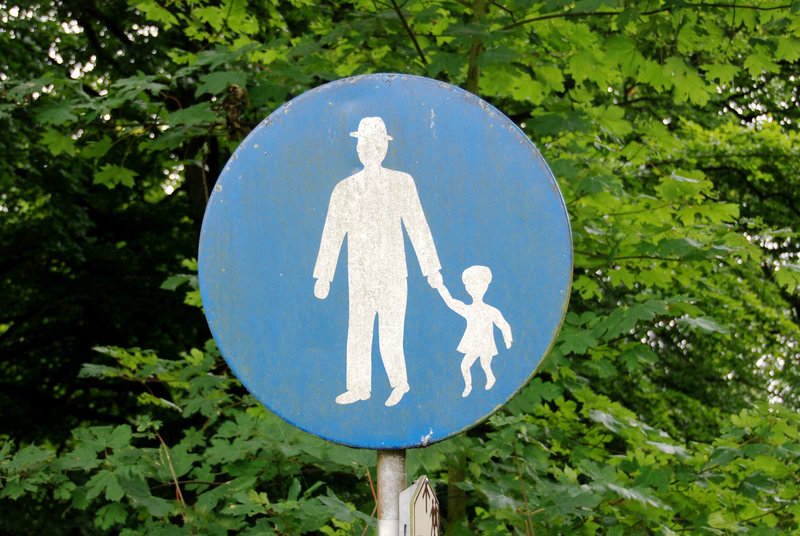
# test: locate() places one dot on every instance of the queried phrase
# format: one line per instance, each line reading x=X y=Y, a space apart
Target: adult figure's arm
x=419 y=232
x=330 y=244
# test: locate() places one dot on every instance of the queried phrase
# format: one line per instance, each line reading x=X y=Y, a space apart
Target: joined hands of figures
x=435 y=280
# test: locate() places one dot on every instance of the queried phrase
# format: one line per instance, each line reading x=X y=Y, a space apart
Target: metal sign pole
x=391 y=481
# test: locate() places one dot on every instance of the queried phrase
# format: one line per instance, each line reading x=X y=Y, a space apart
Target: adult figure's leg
x=391 y=325
x=359 y=346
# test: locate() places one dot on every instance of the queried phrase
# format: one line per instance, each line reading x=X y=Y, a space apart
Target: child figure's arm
x=505 y=328
x=451 y=302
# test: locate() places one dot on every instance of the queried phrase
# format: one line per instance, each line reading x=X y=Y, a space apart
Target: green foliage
x=670 y=401
x=560 y=458
x=203 y=455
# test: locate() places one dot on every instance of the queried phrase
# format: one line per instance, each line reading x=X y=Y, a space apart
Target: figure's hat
x=371 y=128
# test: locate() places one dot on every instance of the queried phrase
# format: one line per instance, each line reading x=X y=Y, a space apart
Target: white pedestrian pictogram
x=371 y=208
x=478 y=339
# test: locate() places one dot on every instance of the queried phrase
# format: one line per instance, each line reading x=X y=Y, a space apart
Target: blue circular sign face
x=385 y=261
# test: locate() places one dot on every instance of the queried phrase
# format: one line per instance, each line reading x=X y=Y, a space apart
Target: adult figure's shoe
x=397 y=394
x=348 y=397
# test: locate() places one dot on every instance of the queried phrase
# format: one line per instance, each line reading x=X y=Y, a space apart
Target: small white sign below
x=419 y=510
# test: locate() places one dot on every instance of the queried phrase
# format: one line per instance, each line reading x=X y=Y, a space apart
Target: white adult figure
x=371 y=208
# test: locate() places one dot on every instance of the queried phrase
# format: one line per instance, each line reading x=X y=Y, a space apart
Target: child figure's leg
x=466 y=363
x=486 y=364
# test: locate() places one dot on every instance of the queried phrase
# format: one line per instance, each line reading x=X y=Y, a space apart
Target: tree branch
x=627 y=257
x=581 y=14
x=409 y=31
x=504 y=8
x=572 y=15
x=178 y=494
x=528 y=520
x=476 y=47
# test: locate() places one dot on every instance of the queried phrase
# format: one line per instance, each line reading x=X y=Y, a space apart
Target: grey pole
x=391 y=481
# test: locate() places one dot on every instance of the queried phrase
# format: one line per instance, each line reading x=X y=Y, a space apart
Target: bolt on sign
x=385 y=261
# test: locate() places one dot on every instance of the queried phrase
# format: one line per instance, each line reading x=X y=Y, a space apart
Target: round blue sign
x=385 y=261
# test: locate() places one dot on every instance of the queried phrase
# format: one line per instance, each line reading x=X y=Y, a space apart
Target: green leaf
x=199 y=114
x=653 y=476
x=551 y=75
x=577 y=341
x=620 y=46
x=682 y=185
x=653 y=74
x=174 y=281
x=219 y=81
x=588 y=5
x=555 y=123
x=606 y=419
x=668 y=448
x=603 y=368
x=442 y=61
x=104 y=481
x=120 y=437
x=723 y=520
x=111 y=175
x=64 y=491
x=294 y=490
x=770 y=465
x=83 y=457
x=497 y=54
x=539 y=390
x=678 y=247
x=580 y=65
x=721 y=212
x=528 y=90
x=211 y=15
x=157 y=13
x=755 y=484
x=703 y=324
x=5 y=110
x=139 y=493
x=612 y=118
x=639 y=495
x=58 y=143
x=97 y=149
x=638 y=355
x=12 y=490
x=721 y=72
x=29 y=87
x=31 y=455
x=760 y=60
x=90 y=370
x=56 y=113
x=787 y=275
x=788 y=49
x=587 y=287
x=193 y=298
x=131 y=87
x=110 y=515
x=240 y=20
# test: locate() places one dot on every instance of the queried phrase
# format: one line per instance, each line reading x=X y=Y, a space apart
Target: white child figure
x=478 y=339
